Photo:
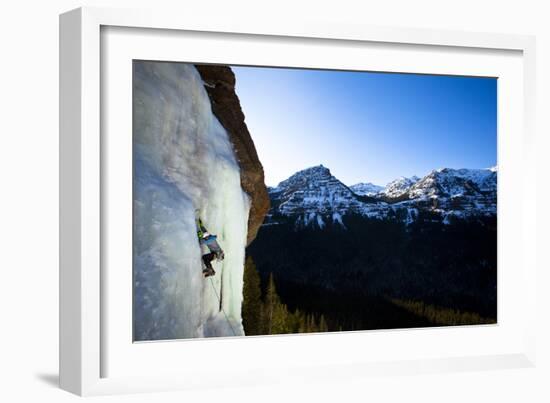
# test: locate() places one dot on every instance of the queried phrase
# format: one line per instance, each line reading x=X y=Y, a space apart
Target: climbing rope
x=223 y=310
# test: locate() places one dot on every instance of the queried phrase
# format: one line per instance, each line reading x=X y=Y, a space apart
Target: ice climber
x=210 y=248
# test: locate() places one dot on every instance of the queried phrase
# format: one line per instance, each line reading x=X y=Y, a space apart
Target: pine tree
x=276 y=315
x=323 y=327
x=269 y=304
x=298 y=322
x=311 y=325
x=252 y=302
x=281 y=323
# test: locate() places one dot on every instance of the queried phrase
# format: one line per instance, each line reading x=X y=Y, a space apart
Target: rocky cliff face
x=220 y=86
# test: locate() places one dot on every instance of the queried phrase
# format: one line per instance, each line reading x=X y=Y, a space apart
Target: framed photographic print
x=255 y=195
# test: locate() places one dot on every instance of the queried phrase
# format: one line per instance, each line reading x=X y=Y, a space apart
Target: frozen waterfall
x=183 y=160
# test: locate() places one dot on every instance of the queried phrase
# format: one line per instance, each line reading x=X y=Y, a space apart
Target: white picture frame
x=86 y=347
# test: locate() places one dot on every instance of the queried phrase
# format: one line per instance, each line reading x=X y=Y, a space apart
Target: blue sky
x=367 y=127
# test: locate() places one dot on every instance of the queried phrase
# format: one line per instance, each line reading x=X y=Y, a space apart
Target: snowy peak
x=312 y=189
x=305 y=178
x=366 y=189
x=399 y=187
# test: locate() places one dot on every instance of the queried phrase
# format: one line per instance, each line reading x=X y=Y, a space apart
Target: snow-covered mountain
x=366 y=189
x=314 y=196
x=452 y=183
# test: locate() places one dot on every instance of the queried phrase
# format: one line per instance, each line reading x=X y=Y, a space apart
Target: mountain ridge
x=313 y=196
